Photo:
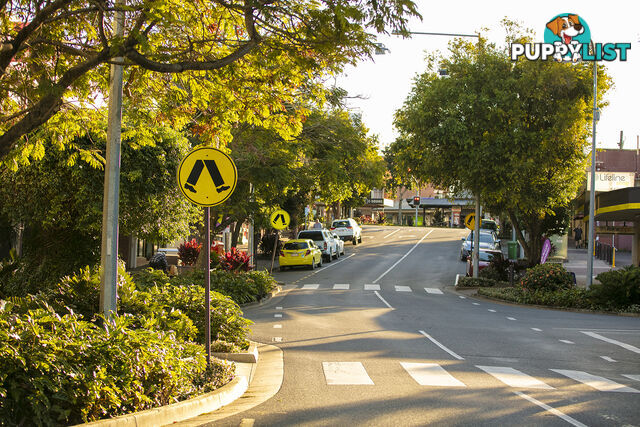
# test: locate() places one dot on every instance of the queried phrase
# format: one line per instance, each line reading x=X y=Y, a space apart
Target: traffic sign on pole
x=279 y=219
x=207 y=176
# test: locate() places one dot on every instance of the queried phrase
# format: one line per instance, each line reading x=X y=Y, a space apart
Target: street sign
x=207 y=176
x=470 y=221
x=279 y=219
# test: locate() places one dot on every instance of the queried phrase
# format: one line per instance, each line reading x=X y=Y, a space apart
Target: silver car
x=488 y=241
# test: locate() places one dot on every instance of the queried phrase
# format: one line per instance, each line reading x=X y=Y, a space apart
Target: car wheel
x=360 y=239
x=355 y=241
x=313 y=264
x=283 y=268
x=320 y=263
x=328 y=259
x=336 y=255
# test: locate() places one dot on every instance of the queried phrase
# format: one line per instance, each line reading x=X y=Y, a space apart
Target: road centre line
x=383 y=300
x=548 y=408
x=608 y=359
x=403 y=257
x=433 y=340
x=394 y=232
x=609 y=340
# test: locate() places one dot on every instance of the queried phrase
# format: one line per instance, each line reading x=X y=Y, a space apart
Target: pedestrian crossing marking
x=400 y=288
x=277 y=315
x=310 y=286
x=491 y=310
x=370 y=287
x=345 y=373
x=512 y=318
x=431 y=374
x=343 y=286
x=514 y=378
x=277 y=326
x=608 y=359
x=567 y=341
x=595 y=381
x=433 y=291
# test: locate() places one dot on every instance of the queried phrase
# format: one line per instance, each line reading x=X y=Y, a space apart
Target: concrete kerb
x=196 y=406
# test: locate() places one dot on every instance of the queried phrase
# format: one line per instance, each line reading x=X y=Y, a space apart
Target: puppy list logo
x=567 y=38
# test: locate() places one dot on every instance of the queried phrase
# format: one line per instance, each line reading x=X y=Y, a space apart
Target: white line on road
x=594 y=381
x=457 y=278
x=400 y=288
x=392 y=233
x=433 y=291
x=278 y=308
x=461 y=297
x=431 y=374
x=277 y=315
x=333 y=264
x=345 y=373
x=512 y=318
x=314 y=286
x=277 y=326
x=514 y=378
x=343 y=286
x=433 y=340
x=403 y=257
x=383 y=300
x=536 y=329
x=371 y=287
x=475 y=303
x=608 y=359
x=609 y=340
x=632 y=377
x=567 y=341
x=277 y=339
x=491 y=310
x=554 y=411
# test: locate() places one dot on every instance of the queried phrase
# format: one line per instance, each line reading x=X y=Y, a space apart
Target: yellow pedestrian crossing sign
x=279 y=219
x=470 y=221
x=207 y=176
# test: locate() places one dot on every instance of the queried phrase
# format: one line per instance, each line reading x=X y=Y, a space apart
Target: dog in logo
x=566 y=27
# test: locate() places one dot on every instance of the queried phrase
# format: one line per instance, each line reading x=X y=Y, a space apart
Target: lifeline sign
x=207 y=176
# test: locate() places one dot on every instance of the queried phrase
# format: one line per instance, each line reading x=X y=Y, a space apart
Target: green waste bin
x=512 y=250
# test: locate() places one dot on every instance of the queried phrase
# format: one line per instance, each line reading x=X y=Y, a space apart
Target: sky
x=386 y=81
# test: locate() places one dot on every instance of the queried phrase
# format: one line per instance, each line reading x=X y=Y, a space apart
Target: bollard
x=613 y=264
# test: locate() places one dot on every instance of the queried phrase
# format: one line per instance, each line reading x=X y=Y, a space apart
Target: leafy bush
x=59 y=369
x=235 y=261
x=188 y=252
x=617 y=288
x=549 y=277
x=267 y=242
x=566 y=298
x=224 y=347
x=144 y=279
x=470 y=282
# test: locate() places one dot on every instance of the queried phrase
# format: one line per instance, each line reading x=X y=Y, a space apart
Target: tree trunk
x=236 y=232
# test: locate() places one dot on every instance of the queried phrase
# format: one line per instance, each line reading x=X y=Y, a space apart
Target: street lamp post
x=592 y=190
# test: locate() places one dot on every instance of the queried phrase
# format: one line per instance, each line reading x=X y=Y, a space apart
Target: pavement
x=577 y=263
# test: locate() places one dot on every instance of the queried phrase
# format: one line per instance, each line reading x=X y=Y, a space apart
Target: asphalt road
x=379 y=337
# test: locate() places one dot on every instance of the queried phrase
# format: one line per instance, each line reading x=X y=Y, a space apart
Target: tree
x=513 y=133
x=60 y=203
x=54 y=58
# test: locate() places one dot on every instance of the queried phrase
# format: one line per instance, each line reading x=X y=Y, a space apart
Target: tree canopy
x=208 y=63
x=514 y=133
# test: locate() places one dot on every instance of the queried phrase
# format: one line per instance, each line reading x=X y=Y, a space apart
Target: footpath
x=577 y=263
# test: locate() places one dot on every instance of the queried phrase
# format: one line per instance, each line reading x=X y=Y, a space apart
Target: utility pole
x=476 y=238
x=592 y=190
x=109 y=248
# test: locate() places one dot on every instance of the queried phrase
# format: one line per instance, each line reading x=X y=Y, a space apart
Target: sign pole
x=275 y=246
x=207 y=285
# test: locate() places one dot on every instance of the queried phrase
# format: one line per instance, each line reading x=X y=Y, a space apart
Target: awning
x=618 y=205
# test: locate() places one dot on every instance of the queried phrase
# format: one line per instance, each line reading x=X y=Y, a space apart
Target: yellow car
x=300 y=252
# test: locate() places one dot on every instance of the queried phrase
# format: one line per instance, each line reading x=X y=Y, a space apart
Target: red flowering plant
x=547 y=277
x=235 y=261
x=188 y=252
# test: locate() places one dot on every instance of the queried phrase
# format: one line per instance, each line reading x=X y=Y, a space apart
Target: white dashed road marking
x=402 y=288
x=431 y=374
x=491 y=310
x=277 y=315
x=310 y=286
x=370 y=287
x=345 y=373
x=554 y=411
x=594 y=381
x=433 y=291
x=536 y=329
x=343 y=286
x=514 y=378
x=433 y=340
x=567 y=341
x=608 y=359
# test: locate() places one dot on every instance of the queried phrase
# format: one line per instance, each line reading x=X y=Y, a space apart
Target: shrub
x=267 y=242
x=61 y=370
x=566 y=298
x=617 y=288
x=144 y=279
x=235 y=261
x=471 y=282
x=549 y=277
x=188 y=252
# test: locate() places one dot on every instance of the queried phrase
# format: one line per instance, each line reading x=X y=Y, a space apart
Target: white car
x=340 y=243
x=488 y=241
x=347 y=229
x=324 y=240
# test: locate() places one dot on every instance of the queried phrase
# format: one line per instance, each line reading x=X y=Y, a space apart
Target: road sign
x=207 y=176
x=279 y=219
x=470 y=221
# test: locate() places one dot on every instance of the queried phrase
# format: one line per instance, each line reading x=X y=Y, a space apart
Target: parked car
x=340 y=243
x=347 y=229
x=300 y=252
x=484 y=259
x=324 y=240
x=489 y=224
x=488 y=241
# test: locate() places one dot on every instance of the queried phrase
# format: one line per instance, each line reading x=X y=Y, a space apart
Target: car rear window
x=313 y=235
x=294 y=246
x=341 y=223
x=488 y=256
